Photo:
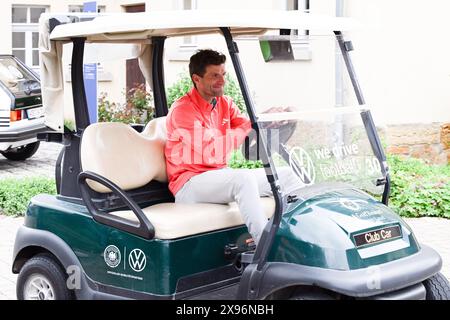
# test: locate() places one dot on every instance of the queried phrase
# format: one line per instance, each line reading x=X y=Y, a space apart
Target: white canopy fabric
x=52 y=83
x=138 y=28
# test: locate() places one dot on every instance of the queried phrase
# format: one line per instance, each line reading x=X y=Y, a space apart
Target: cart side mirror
x=276 y=50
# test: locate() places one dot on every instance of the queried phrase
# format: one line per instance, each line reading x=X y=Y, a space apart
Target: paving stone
x=41 y=163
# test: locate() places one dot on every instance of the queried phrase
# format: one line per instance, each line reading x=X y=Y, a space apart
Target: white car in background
x=21 y=110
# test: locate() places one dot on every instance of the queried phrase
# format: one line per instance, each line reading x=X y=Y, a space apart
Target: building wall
x=401 y=55
x=402 y=58
x=54 y=6
x=111 y=76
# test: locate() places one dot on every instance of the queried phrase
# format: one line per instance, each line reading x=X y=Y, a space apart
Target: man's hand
x=277 y=124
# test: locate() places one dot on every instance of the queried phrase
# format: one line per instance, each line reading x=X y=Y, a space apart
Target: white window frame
x=186 y=45
x=28 y=28
x=100 y=9
x=188 y=41
x=300 y=47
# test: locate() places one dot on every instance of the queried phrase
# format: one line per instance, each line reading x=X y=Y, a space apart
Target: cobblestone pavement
x=42 y=163
x=8 y=229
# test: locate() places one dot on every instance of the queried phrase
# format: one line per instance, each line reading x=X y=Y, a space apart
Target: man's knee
x=244 y=179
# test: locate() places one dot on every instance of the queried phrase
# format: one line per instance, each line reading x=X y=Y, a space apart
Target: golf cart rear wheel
x=438 y=287
x=21 y=153
x=41 y=278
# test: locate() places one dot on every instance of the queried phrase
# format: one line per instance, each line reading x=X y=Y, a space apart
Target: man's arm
x=239 y=124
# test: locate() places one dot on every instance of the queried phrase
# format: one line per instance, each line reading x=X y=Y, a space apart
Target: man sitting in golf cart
x=203 y=127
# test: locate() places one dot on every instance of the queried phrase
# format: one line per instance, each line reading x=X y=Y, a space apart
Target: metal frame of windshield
x=268 y=236
x=254 y=272
x=374 y=139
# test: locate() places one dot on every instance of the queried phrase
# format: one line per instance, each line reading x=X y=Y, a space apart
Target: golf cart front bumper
x=399 y=279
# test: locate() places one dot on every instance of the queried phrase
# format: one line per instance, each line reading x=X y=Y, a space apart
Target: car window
x=13 y=75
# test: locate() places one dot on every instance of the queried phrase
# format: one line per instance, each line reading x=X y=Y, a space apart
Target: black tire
x=438 y=287
x=21 y=153
x=44 y=271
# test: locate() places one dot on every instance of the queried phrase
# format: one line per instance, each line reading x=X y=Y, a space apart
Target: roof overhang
x=142 y=26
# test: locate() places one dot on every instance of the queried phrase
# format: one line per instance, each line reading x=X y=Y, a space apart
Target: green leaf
x=15 y=194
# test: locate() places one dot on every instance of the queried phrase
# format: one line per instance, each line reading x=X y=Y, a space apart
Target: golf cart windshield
x=322 y=146
x=308 y=113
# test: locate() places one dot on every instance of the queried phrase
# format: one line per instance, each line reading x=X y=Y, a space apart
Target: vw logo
x=111 y=255
x=350 y=204
x=302 y=165
x=137 y=260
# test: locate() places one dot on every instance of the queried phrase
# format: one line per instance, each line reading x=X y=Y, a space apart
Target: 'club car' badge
x=112 y=256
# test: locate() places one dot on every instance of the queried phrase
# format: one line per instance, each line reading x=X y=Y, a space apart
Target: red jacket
x=201 y=136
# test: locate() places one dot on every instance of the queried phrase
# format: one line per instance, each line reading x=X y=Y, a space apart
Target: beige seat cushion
x=176 y=220
x=122 y=155
x=156 y=129
x=131 y=160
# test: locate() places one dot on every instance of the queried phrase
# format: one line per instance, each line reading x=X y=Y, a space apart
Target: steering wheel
x=250 y=148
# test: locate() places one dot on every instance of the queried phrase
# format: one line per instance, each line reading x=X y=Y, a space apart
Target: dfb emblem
x=112 y=256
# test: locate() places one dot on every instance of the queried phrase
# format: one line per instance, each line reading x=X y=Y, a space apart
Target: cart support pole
x=375 y=142
x=254 y=273
x=159 y=91
x=78 y=91
x=266 y=242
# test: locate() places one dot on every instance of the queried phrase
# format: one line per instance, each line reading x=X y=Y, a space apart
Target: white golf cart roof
x=138 y=28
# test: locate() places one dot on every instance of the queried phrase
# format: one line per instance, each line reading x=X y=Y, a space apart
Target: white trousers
x=245 y=186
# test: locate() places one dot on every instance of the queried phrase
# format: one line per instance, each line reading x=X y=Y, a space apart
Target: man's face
x=212 y=83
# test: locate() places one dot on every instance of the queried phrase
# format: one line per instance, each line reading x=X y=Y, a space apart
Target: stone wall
x=430 y=142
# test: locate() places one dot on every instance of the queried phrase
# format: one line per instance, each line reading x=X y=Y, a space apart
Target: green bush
x=137 y=109
x=238 y=161
x=69 y=125
x=184 y=84
x=418 y=189
x=15 y=194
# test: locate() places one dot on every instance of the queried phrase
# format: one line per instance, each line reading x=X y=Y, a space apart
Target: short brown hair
x=203 y=58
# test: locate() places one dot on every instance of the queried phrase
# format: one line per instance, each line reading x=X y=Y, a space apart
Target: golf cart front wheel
x=21 y=153
x=41 y=278
x=437 y=287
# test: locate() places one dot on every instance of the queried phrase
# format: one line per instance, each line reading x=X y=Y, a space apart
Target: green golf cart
x=113 y=230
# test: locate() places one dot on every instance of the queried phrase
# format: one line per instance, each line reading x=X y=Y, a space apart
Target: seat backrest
x=122 y=155
x=156 y=129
